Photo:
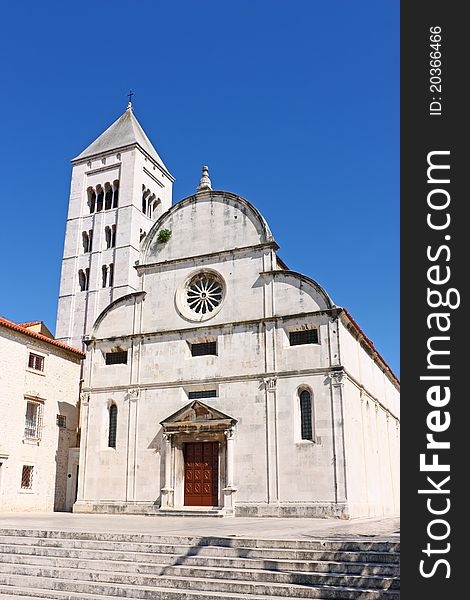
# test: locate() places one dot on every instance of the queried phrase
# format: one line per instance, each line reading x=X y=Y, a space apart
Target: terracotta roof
x=370 y=343
x=21 y=329
x=30 y=324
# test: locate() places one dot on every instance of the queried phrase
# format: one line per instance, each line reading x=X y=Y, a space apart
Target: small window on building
x=33 y=420
x=61 y=421
x=86 y=238
x=99 y=198
x=110 y=236
x=204 y=348
x=108 y=196
x=104 y=275
x=112 y=426
x=202 y=394
x=306 y=416
x=111 y=275
x=36 y=362
x=116 y=358
x=27 y=477
x=83 y=279
x=306 y=336
x=115 y=193
x=91 y=199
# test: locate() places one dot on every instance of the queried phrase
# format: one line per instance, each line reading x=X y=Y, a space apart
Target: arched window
x=306 y=415
x=115 y=193
x=111 y=275
x=112 y=426
x=145 y=195
x=91 y=199
x=83 y=279
x=99 y=198
x=108 y=196
x=107 y=237
x=86 y=241
x=104 y=274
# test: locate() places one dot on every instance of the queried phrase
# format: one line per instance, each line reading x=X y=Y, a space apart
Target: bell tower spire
x=120 y=187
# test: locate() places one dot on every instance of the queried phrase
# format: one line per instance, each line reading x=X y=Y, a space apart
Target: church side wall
x=371 y=432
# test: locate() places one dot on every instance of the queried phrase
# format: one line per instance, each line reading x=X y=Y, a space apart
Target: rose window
x=204 y=293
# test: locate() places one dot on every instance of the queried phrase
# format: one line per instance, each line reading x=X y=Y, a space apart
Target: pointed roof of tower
x=126 y=131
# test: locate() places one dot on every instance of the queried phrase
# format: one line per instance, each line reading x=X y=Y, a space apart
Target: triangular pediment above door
x=198 y=415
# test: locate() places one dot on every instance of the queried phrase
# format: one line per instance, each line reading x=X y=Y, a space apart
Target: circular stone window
x=201 y=296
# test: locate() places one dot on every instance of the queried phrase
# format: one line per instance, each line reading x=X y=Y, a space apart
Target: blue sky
x=295 y=106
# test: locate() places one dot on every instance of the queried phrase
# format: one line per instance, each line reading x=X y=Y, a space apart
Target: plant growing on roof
x=163 y=236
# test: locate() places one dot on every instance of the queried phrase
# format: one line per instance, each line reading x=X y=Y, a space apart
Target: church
x=217 y=380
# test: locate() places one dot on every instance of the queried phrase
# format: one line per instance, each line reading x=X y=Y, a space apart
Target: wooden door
x=201 y=473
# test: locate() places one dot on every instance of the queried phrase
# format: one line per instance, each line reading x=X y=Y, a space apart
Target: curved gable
x=296 y=293
x=117 y=317
x=206 y=223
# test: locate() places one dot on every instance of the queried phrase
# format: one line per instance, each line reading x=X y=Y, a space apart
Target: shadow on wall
x=157 y=445
x=66 y=439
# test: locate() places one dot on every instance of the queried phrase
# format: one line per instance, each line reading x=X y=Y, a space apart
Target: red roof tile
x=39 y=336
x=371 y=345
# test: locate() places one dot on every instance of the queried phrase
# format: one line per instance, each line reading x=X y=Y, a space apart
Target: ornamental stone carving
x=336 y=377
x=270 y=383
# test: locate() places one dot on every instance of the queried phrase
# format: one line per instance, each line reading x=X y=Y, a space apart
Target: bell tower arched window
x=115 y=193
x=108 y=195
x=91 y=199
x=99 y=198
x=112 y=429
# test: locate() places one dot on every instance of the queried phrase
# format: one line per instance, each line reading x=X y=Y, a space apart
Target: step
x=11 y=591
x=48 y=576
x=27 y=554
x=130 y=590
x=208 y=572
x=349 y=544
x=206 y=550
x=171 y=512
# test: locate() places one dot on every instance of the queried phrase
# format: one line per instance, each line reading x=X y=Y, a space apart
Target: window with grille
x=33 y=420
x=202 y=394
x=36 y=362
x=204 y=348
x=112 y=426
x=61 y=421
x=116 y=358
x=307 y=336
x=306 y=425
x=27 y=477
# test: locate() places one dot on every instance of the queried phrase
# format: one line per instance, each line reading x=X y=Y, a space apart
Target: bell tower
x=119 y=187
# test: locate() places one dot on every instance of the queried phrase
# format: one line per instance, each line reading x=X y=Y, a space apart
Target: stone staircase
x=72 y=565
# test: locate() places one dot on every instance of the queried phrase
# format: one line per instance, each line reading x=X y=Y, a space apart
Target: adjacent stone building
x=216 y=378
x=39 y=387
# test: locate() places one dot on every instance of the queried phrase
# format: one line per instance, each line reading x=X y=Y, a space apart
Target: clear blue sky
x=295 y=106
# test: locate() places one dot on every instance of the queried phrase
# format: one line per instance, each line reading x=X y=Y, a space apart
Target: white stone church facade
x=216 y=379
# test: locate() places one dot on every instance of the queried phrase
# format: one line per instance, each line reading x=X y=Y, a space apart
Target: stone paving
x=267 y=528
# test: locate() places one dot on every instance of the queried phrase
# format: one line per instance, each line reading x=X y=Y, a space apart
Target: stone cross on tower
x=129 y=95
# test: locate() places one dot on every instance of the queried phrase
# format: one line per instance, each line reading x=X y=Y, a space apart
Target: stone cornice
x=217 y=380
x=85 y=159
x=333 y=312
x=199 y=257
